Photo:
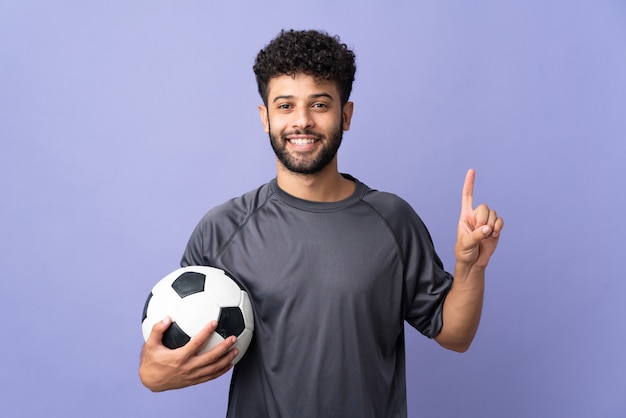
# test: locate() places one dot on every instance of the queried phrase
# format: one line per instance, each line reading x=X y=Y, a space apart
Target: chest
x=296 y=263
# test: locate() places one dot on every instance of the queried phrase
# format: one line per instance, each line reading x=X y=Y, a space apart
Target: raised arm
x=477 y=238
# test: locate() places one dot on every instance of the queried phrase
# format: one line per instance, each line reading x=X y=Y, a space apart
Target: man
x=333 y=267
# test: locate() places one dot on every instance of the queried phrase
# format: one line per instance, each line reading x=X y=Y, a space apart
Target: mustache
x=308 y=132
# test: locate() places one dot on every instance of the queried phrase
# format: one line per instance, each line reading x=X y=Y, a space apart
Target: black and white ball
x=193 y=296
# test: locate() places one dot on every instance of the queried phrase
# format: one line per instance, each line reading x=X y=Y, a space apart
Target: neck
x=327 y=185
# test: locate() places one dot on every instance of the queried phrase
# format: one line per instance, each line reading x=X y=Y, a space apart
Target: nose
x=303 y=119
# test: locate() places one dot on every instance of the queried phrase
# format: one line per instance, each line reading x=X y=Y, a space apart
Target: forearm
x=462 y=308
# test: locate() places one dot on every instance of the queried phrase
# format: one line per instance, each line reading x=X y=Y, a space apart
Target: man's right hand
x=162 y=368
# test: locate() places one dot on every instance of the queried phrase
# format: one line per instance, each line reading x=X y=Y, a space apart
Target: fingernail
x=486 y=230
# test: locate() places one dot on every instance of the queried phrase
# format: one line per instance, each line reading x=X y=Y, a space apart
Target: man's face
x=305 y=121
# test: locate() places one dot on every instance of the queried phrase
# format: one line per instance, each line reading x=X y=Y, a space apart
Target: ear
x=347 y=111
x=264 y=118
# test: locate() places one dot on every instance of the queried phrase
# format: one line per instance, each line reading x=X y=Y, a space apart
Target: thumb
x=477 y=235
x=158 y=329
x=485 y=231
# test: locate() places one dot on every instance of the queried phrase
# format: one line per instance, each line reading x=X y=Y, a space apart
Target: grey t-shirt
x=331 y=285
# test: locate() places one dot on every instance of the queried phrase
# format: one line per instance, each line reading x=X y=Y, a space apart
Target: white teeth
x=302 y=141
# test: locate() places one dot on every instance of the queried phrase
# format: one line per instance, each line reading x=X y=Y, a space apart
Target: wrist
x=464 y=271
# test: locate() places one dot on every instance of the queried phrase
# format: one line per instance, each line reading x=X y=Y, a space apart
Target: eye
x=319 y=105
x=284 y=106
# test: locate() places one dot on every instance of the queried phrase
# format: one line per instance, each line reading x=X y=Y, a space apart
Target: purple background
x=122 y=122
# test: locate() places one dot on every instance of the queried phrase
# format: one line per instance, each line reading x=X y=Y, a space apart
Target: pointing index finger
x=468 y=190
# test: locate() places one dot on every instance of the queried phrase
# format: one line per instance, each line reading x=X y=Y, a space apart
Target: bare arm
x=163 y=369
x=477 y=238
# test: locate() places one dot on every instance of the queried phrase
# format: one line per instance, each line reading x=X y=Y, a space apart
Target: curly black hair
x=309 y=52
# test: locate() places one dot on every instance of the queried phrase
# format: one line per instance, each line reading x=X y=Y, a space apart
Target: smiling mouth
x=302 y=141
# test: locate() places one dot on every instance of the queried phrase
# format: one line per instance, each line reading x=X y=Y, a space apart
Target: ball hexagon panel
x=161 y=303
x=195 y=311
x=223 y=289
x=246 y=309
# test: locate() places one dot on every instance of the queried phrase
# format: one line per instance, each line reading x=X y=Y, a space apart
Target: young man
x=333 y=268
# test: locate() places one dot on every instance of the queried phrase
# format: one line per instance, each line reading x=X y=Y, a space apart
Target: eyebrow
x=313 y=96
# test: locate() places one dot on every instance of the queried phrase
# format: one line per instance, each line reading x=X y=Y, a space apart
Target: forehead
x=300 y=85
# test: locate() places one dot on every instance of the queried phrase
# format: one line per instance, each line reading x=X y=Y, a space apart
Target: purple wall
x=121 y=123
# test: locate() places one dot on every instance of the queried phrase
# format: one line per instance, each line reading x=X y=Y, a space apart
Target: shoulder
x=236 y=210
x=219 y=224
x=389 y=205
x=222 y=220
x=398 y=214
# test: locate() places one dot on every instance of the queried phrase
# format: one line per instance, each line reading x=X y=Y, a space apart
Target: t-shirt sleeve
x=425 y=282
x=195 y=253
x=215 y=229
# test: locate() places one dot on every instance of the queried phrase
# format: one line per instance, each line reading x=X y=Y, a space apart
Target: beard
x=307 y=163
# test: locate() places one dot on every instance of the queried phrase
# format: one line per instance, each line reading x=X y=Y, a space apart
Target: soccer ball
x=193 y=296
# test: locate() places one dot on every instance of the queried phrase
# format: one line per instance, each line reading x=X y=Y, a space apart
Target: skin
x=297 y=104
x=163 y=369
x=303 y=117
x=478 y=234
